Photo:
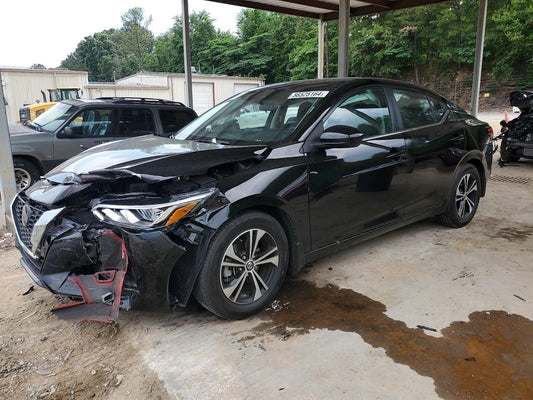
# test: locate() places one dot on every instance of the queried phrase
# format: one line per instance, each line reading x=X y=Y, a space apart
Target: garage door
x=241 y=87
x=202 y=97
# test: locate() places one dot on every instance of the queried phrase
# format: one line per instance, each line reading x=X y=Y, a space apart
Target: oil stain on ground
x=488 y=357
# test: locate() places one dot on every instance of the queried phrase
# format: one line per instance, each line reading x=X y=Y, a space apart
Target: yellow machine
x=29 y=112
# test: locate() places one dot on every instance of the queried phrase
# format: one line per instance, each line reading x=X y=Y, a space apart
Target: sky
x=46 y=32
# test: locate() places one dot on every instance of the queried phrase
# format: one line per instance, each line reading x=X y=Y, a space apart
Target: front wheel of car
x=26 y=173
x=245 y=266
x=464 y=199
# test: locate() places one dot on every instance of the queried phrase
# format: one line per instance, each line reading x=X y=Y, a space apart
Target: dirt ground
x=425 y=312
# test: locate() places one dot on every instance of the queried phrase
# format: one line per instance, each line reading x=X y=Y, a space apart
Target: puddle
x=488 y=357
x=513 y=233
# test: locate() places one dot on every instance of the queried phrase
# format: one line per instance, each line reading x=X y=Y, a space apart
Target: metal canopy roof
x=327 y=9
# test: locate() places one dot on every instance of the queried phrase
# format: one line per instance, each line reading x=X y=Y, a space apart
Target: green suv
x=72 y=126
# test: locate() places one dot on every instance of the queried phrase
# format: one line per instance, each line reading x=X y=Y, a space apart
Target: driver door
x=359 y=188
x=90 y=127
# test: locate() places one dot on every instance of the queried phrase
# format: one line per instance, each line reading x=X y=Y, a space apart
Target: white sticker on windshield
x=309 y=95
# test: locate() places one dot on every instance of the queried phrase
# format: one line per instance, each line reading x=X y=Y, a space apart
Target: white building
x=24 y=86
x=207 y=90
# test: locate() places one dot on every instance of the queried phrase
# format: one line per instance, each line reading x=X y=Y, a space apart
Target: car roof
x=342 y=84
x=121 y=101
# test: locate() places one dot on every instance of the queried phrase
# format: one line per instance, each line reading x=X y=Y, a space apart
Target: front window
x=367 y=111
x=53 y=118
x=259 y=116
x=92 y=122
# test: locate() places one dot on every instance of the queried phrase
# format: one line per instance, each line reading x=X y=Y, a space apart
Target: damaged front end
x=517 y=134
x=111 y=240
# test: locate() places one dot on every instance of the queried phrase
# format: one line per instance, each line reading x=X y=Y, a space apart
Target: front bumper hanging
x=102 y=290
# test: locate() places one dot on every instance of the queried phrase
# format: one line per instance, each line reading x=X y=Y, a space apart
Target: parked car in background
x=517 y=134
x=71 y=126
x=223 y=211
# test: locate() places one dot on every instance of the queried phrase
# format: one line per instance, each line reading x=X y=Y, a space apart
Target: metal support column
x=344 y=36
x=7 y=177
x=187 y=53
x=320 y=73
x=478 y=61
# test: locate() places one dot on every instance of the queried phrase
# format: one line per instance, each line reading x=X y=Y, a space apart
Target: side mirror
x=341 y=136
x=66 y=133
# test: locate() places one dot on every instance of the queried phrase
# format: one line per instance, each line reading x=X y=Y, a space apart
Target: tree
x=515 y=22
x=94 y=54
x=168 y=50
x=134 y=41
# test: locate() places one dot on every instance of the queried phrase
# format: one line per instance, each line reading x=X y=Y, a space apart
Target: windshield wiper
x=212 y=140
x=36 y=126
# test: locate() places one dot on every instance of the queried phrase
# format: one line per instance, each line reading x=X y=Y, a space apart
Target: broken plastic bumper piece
x=100 y=291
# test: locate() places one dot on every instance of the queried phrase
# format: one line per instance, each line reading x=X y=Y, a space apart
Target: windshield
x=52 y=119
x=266 y=115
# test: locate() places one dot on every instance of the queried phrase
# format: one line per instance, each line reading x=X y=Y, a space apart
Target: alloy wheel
x=22 y=179
x=466 y=196
x=248 y=266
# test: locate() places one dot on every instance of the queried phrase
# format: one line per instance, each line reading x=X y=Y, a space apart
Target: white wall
x=23 y=86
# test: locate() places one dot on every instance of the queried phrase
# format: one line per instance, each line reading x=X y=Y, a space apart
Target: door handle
x=395 y=153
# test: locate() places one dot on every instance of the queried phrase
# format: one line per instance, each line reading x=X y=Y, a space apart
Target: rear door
x=435 y=144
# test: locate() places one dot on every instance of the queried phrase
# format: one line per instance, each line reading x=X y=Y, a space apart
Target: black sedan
x=253 y=189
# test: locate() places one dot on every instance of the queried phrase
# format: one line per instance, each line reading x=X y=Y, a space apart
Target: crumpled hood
x=153 y=156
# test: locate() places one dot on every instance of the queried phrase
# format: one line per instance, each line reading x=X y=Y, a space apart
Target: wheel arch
x=31 y=159
x=477 y=160
x=295 y=259
x=194 y=255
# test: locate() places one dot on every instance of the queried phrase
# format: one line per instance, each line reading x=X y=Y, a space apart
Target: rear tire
x=245 y=266
x=464 y=199
x=26 y=173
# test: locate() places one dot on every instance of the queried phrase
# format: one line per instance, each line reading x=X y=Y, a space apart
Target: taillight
x=490 y=132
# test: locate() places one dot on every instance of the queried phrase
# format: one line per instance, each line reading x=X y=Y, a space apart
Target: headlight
x=147 y=215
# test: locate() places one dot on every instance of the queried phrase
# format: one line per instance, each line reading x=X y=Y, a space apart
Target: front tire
x=26 y=173
x=464 y=200
x=245 y=266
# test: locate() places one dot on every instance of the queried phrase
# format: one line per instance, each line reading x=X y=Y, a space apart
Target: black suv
x=72 y=126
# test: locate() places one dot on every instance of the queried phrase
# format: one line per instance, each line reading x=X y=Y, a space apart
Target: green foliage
x=133 y=41
x=515 y=21
x=414 y=44
x=94 y=54
x=112 y=54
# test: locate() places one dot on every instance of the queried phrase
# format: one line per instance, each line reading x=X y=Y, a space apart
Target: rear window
x=136 y=122
x=416 y=108
x=174 y=120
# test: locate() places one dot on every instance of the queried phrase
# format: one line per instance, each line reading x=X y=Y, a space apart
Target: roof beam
x=268 y=7
x=375 y=9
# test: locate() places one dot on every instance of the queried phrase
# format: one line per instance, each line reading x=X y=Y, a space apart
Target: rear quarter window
x=173 y=120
